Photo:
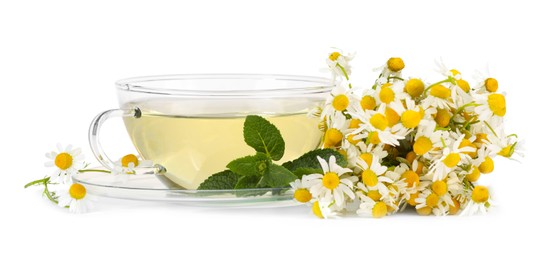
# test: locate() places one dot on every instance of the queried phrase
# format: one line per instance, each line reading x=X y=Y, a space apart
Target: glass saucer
x=158 y=188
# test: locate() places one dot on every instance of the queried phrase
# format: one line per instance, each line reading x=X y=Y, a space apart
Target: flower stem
x=492 y=130
x=343 y=70
x=49 y=194
x=94 y=170
x=37 y=182
x=437 y=83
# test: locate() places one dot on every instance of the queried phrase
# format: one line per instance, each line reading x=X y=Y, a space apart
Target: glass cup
x=191 y=126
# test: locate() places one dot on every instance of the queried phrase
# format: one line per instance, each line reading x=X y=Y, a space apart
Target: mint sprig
x=259 y=170
x=264 y=137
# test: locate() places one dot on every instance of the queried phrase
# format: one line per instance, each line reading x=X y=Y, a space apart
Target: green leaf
x=299 y=172
x=310 y=161
x=247 y=182
x=249 y=165
x=264 y=137
x=225 y=180
x=277 y=176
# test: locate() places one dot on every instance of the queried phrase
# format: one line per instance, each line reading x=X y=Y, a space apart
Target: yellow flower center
x=453 y=209
x=410 y=157
x=412 y=200
x=334 y=56
x=474 y=175
x=464 y=85
x=316 y=209
x=77 y=191
x=352 y=140
x=386 y=95
x=340 y=102
x=480 y=194
x=373 y=138
x=374 y=194
x=440 y=91
x=330 y=180
x=506 y=151
x=497 y=104
x=129 y=158
x=395 y=64
x=422 y=145
x=466 y=143
x=369 y=178
x=392 y=116
x=302 y=195
x=332 y=137
x=480 y=138
x=355 y=123
x=367 y=157
x=425 y=211
x=414 y=87
x=411 y=118
x=442 y=117
x=439 y=188
x=432 y=200
x=368 y=103
x=379 y=210
x=491 y=85
x=454 y=72
x=451 y=160
x=487 y=166
x=63 y=161
x=411 y=178
x=379 y=121
x=342 y=152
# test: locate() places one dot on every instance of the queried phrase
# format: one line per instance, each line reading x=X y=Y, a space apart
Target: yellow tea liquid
x=194 y=148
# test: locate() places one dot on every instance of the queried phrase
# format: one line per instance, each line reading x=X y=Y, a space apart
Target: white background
x=59 y=59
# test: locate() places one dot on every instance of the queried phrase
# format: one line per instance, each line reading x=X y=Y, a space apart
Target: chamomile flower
x=479 y=203
x=66 y=161
x=373 y=176
x=339 y=101
x=74 y=197
x=325 y=209
x=451 y=157
x=426 y=138
x=392 y=68
x=492 y=105
x=445 y=71
x=334 y=184
x=390 y=92
x=371 y=208
x=339 y=64
x=439 y=96
x=409 y=113
x=300 y=189
x=375 y=127
x=486 y=82
x=337 y=129
x=129 y=163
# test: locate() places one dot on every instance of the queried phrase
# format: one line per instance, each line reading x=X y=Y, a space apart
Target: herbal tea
x=193 y=148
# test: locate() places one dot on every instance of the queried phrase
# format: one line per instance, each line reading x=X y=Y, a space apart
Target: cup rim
x=135 y=84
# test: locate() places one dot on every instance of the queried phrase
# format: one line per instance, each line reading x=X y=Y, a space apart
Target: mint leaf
x=247 y=182
x=264 y=137
x=249 y=165
x=225 y=180
x=310 y=161
x=277 y=176
x=299 y=172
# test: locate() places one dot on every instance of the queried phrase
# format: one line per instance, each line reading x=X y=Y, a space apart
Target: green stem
x=435 y=84
x=492 y=130
x=343 y=70
x=394 y=77
x=48 y=194
x=94 y=170
x=37 y=182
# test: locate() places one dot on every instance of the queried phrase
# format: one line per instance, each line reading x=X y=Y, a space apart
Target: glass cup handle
x=94 y=135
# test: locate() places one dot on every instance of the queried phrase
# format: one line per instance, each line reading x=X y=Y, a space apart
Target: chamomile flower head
x=129 y=163
x=335 y=184
x=338 y=63
x=427 y=139
x=390 y=92
x=485 y=81
x=336 y=131
x=451 y=158
x=445 y=71
x=491 y=105
x=66 y=161
x=438 y=96
x=479 y=203
x=75 y=197
x=371 y=208
x=300 y=189
x=373 y=176
x=325 y=209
